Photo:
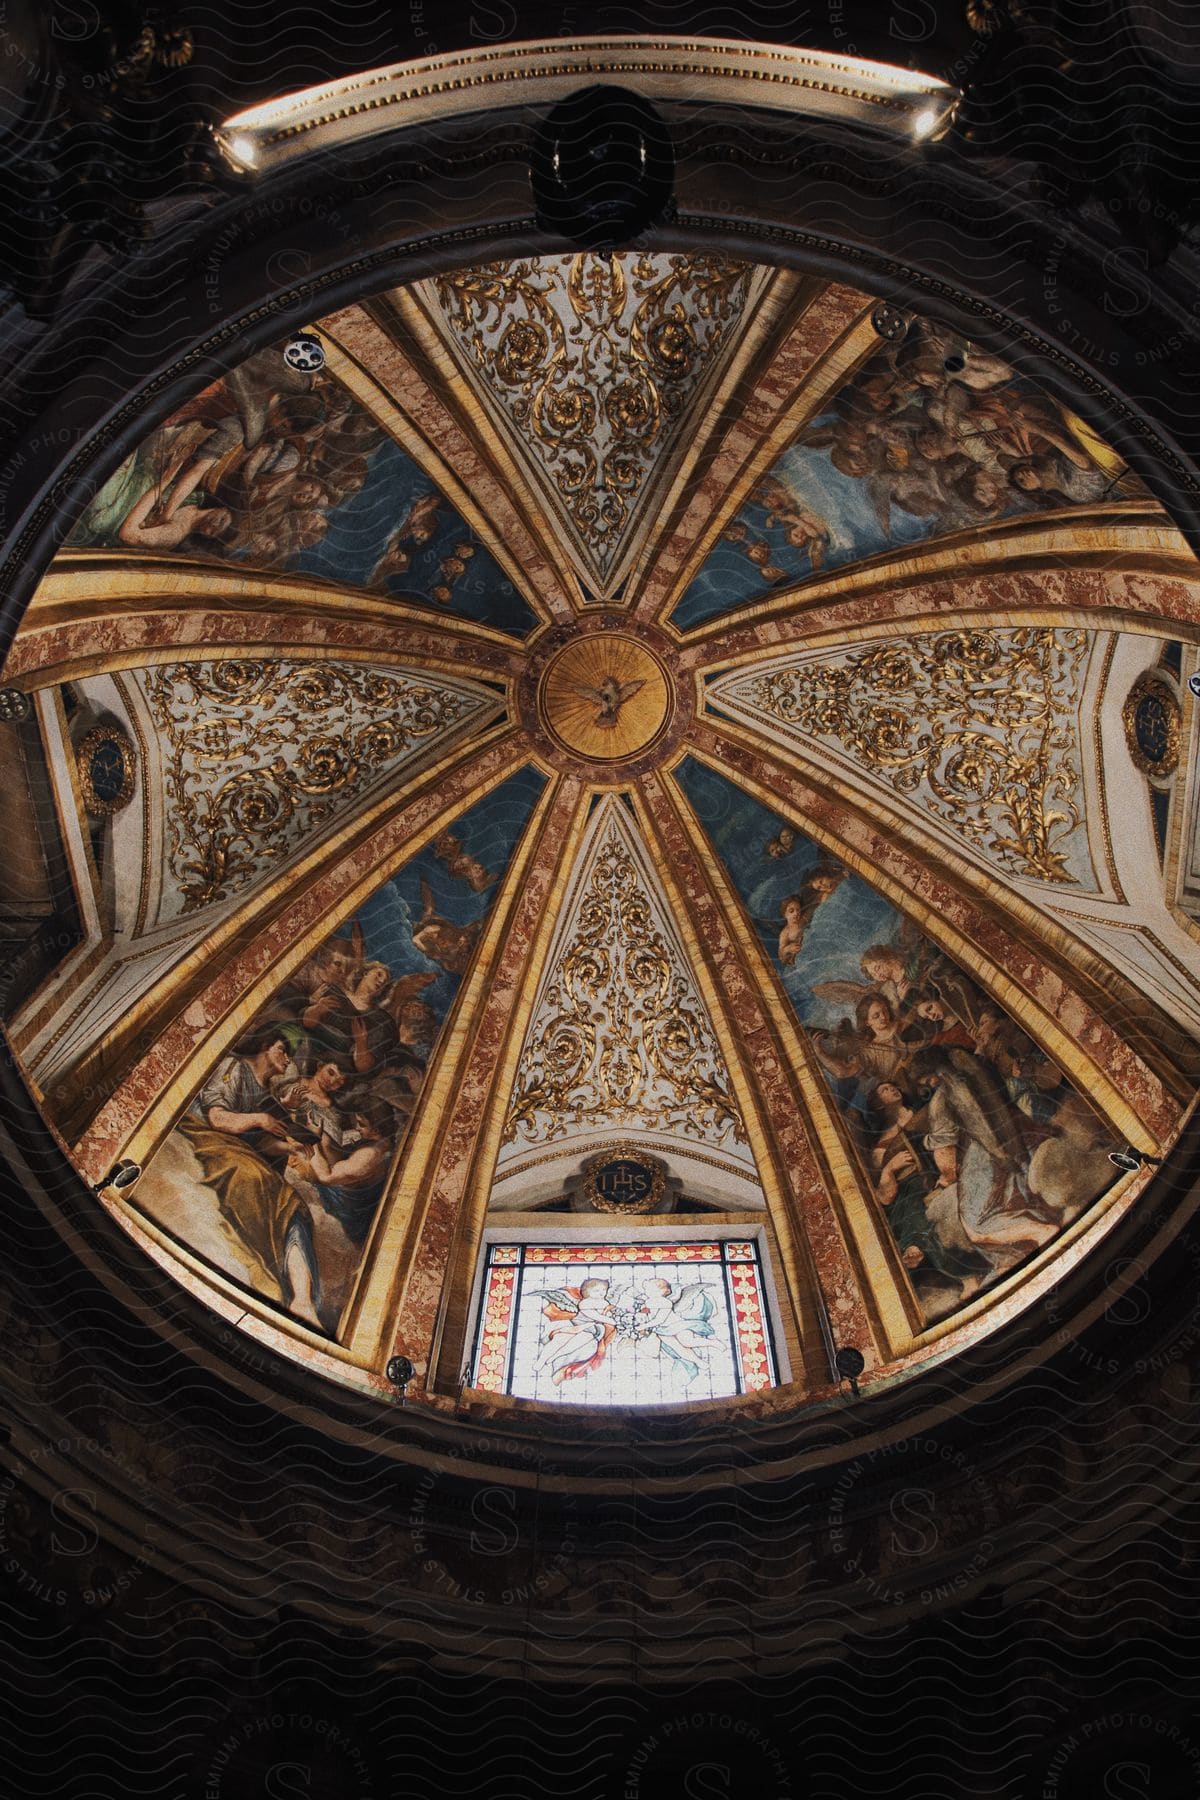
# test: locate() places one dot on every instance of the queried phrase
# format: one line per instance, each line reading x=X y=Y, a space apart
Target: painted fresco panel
x=975 y=1145
x=275 y=1172
x=271 y=469
x=931 y=435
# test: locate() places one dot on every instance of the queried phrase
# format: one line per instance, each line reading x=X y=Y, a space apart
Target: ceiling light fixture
x=602 y=168
x=1131 y=1160
x=121 y=1176
x=400 y=1372
x=850 y=1364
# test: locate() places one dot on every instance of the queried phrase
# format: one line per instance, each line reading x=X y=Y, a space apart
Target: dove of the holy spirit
x=604 y=696
x=610 y=696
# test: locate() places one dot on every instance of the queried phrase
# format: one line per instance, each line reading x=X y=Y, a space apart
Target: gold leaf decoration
x=620 y=1036
x=978 y=725
x=594 y=359
x=258 y=755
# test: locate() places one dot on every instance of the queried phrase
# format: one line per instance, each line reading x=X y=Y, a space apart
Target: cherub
x=610 y=696
x=581 y=1329
x=452 y=567
x=757 y=549
x=804 y=529
x=782 y=844
x=681 y=1325
x=795 y=924
x=798 y=909
x=441 y=940
x=460 y=863
x=416 y=527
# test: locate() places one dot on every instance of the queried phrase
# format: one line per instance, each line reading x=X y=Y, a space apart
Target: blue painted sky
x=357 y=535
x=489 y=831
x=842 y=926
x=728 y=578
x=360 y=528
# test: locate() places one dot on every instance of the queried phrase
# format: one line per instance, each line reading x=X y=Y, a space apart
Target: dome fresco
x=655 y=734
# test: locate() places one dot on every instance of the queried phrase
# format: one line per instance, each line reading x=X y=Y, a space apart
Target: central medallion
x=605 y=697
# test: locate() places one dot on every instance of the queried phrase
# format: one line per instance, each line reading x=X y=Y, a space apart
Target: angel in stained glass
x=580 y=1330
x=680 y=1326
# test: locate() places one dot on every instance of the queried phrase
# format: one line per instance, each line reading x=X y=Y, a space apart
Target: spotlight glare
x=243 y=149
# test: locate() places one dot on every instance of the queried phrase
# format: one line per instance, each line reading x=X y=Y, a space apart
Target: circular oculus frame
x=107 y=768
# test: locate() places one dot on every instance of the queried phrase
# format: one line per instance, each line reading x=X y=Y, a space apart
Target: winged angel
x=583 y=1321
x=440 y=939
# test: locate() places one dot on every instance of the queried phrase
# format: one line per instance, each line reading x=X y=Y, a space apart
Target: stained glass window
x=634 y=1324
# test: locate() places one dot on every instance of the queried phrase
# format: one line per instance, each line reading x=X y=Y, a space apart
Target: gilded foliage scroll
x=594 y=360
x=979 y=727
x=620 y=1036
x=259 y=755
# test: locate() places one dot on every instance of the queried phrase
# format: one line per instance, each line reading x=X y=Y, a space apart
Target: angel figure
x=782 y=844
x=897 y=970
x=441 y=940
x=610 y=696
x=580 y=1330
x=681 y=1325
x=416 y=528
x=804 y=529
x=871 y=1049
x=374 y=1017
x=460 y=863
x=797 y=910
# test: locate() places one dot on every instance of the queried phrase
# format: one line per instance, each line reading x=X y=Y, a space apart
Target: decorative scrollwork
x=261 y=754
x=620 y=1036
x=978 y=724
x=594 y=359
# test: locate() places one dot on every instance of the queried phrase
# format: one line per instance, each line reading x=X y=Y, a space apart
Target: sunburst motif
x=606 y=697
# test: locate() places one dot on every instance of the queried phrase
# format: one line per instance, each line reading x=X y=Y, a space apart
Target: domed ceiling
x=584 y=763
